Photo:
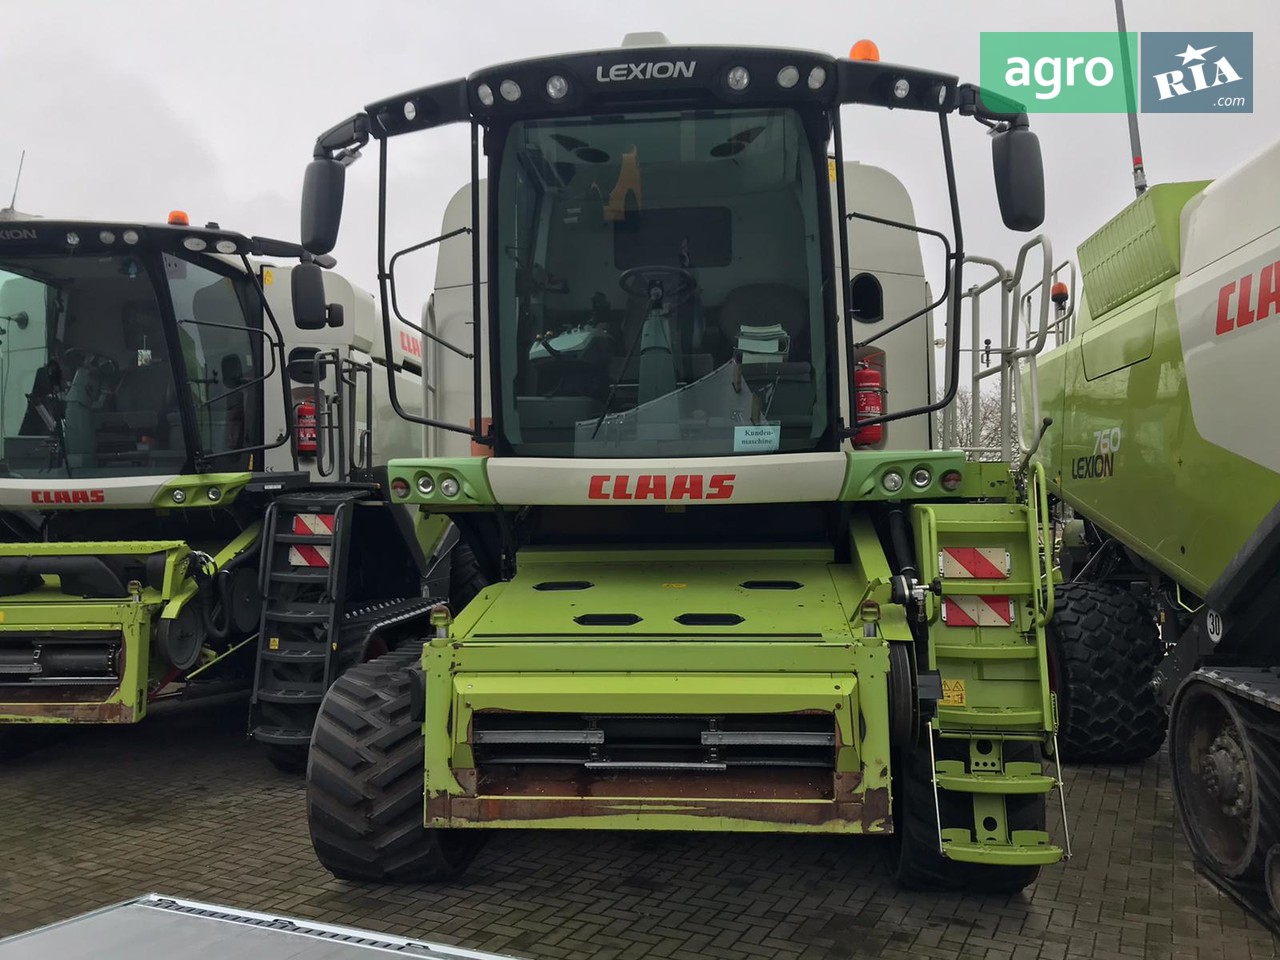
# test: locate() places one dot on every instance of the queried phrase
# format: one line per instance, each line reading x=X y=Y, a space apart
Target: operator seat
x=764 y=304
x=786 y=388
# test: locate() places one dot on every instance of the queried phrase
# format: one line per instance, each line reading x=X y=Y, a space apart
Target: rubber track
x=365 y=780
x=920 y=865
x=1104 y=646
x=1263 y=732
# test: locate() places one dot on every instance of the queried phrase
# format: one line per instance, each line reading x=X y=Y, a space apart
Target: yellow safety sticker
x=267 y=277
x=953 y=693
x=674 y=586
x=274 y=643
x=1 y=616
x=831 y=169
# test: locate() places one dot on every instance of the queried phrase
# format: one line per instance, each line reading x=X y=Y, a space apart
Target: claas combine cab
x=182 y=469
x=735 y=587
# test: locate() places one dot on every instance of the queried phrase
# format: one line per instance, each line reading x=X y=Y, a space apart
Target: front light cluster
x=426 y=485
x=212 y=494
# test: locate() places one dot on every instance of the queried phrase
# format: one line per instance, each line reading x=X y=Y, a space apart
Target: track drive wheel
x=1226 y=781
x=1103 y=650
x=921 y=866
x=365 y=780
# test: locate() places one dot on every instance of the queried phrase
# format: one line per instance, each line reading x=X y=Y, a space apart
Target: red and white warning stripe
x=977 y=611
x=306 y=554
x=973 y=563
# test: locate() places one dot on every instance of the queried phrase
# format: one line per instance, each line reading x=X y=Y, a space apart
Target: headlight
x=449 y=487
x=738 y=78
x=557 y=87
x=484 y=93
x=426 y=486
x=179 y=496
x=892 y=481
x=399 y=488
x=788 y=77
x=921 y=478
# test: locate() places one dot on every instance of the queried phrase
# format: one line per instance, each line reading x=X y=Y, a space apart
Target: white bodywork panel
x=33 y=492
x=891 y=255
x=360 y=339
x=772 y=478
x=1231 y=232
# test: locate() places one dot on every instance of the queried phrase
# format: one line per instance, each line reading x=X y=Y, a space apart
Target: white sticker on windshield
x=757 y=438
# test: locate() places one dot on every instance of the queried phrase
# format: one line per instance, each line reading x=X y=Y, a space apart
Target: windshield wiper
x=622 y=371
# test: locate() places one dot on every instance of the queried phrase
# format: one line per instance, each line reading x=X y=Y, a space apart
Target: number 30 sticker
x=1213 y=625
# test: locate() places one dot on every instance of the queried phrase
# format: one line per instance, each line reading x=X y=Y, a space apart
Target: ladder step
x=296 y=656
x=301 y=575
x=1018 y=778
x=960 y=651
x=1002 y=854
x=283 y=736
x=291 y=695
x=318 y=614
x=988 y=718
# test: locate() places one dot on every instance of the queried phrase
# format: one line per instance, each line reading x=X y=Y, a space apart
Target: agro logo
x=68 y=496
x=1238 y=306
x=23 y=234
x=658 y=486
x=1103 y=461
x=654 y=70
x=1198 y=73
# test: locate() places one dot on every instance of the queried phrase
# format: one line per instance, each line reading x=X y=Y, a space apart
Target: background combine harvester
x=161 y=511
x=708 y=612
x=1163 y=393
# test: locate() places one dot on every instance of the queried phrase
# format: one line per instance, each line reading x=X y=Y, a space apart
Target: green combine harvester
x=184 y=468
x=1165 y=458
x=735 y=586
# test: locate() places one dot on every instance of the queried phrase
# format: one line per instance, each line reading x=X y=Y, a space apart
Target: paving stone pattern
x=184 y=805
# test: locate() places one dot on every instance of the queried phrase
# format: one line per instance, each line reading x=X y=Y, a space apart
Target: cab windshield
x=659 y=285
x=89 y=367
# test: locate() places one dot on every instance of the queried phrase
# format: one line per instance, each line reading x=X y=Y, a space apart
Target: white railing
x=1013 y=350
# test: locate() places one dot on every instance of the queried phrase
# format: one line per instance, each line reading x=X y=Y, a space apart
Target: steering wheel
x=638 y=280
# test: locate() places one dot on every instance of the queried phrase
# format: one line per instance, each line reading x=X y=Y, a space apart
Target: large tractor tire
x=921 y=866
x=365 y=781
x=1103 y=650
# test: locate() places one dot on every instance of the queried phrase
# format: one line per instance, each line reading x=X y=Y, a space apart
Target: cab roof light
x=179 y=218
x=865 y=50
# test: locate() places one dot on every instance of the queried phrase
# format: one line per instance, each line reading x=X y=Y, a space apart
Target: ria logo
x=68 y=496
x=652 y=70
x=23 y=234
x=1197 y=73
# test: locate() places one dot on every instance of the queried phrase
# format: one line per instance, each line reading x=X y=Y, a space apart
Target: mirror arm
x=970 y=103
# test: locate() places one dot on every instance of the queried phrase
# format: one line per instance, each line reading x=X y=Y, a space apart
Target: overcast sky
x=128 y=108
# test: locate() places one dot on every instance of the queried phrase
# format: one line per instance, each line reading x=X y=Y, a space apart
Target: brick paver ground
x=183 y=805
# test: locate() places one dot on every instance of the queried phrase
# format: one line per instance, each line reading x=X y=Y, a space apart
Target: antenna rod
x=17 y=180
x=1135 y=141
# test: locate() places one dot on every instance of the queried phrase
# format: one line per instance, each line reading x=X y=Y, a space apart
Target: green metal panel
x=1136 y=249
x=473 y=482
x=1161 y=452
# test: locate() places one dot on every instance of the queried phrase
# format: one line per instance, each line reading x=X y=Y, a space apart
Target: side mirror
x=307 y=287
x=335 y=315
x=1019 y=170
x=322 y=190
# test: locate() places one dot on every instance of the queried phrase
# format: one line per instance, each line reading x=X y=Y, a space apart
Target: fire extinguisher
x=305 y=418
x=869 y=389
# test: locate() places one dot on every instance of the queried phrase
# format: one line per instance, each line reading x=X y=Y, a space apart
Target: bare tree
x=989 y=427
